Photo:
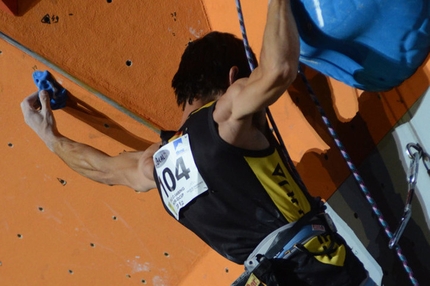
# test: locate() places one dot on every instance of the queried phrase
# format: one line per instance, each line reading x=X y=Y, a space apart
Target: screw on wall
x=63 y=182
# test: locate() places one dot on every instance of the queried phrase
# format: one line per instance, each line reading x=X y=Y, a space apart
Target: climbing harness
x=415 y=153
x=284 y=242
x=337 y=141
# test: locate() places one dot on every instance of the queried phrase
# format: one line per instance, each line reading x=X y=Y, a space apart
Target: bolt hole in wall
x=166 y=254
x=10 y=145
x=128 y=63
x=143 y=281
x=109 y=1
x=63 y=182
x=20 y=236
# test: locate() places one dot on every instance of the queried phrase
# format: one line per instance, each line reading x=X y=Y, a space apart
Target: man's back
x=250 y=192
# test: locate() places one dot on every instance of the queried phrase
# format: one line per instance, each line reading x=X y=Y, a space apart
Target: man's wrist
x=52 y=141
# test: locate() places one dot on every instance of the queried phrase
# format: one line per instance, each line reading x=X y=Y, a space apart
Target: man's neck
x=197 y=103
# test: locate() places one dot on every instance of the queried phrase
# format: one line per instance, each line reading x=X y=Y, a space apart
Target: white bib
x=179 y=179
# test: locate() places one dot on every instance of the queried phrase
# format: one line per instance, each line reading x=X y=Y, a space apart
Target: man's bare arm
x=132 y=169
x=277 y=68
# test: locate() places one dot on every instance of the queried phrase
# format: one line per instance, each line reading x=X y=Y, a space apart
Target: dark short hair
x=205 y=65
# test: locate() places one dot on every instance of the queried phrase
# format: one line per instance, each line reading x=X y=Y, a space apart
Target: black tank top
x=251 y=193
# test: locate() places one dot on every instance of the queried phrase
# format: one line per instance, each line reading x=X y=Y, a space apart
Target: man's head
x=205 y=67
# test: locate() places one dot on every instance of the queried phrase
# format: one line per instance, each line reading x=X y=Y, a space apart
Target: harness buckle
x=330 y=222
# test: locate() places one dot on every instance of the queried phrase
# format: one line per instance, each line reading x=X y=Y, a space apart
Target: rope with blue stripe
x=338 y=143
x=359 y=179
x=252 y=66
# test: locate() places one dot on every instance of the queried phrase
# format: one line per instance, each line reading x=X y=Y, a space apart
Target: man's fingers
x=29 y=102
x=44 y=98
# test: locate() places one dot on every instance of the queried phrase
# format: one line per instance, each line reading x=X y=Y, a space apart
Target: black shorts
x=304 y=269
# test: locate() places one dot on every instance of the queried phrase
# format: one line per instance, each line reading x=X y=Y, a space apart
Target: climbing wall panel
x=58 y=228
x=10 y=6
x=126 y=50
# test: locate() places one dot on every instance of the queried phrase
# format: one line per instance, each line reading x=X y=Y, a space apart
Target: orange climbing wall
x=57 y=228
x=10 y=6
x=128 y=51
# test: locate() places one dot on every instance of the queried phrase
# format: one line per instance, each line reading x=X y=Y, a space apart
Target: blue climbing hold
x=57 y=94
x=372 y=45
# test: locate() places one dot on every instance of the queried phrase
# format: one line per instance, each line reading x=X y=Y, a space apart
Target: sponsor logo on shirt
x=161 y=157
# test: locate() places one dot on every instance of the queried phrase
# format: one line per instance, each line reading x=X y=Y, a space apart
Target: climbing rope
x=252 y=66
x=338 y=143
x=359 y=180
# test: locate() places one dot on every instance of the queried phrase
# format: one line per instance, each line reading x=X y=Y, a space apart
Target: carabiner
x=426 y=162
x=415 y=146
x=412 y=181
x=413 y=167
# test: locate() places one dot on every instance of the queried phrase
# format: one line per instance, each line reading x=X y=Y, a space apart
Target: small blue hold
x=57 y=94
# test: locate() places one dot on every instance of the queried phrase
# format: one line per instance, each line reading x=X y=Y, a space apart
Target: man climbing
x=222 y=174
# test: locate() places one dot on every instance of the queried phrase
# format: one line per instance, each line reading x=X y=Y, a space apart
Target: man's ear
x=232 y=75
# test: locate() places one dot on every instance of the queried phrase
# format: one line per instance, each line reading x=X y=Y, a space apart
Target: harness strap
x=283 y=243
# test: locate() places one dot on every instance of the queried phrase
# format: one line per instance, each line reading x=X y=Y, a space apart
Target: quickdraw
x=415 y=152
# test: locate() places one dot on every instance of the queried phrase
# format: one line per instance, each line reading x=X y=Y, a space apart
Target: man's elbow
x=285 y=74
x=290 y=73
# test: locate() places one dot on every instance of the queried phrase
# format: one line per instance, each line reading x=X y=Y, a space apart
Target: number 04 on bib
x=179 y=179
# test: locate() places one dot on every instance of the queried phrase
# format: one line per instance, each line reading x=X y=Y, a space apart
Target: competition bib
x=179 y=179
